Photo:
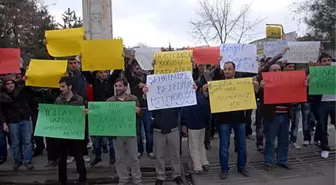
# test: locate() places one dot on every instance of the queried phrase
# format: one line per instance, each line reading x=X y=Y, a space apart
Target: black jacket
x=134 y=82
x=166 y=119
x=15 y=106
x=104 y=89
x=75 y=100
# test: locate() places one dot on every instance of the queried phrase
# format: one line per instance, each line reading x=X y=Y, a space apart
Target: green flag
x=60 y=121
x=112 y=119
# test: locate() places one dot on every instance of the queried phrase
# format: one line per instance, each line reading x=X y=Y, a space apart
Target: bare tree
x=141 y=45
x=217 y=22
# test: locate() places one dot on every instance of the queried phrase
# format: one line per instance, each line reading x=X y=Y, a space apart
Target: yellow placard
x=64 y=43
x=102 y=55
x=172 y=62
x=232 y=95
x=45 y=73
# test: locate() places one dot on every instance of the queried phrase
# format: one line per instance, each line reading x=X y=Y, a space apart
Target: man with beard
x=67 y=97
x=126 y=149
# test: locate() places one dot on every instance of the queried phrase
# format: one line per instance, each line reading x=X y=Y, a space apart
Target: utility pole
x=97 y=19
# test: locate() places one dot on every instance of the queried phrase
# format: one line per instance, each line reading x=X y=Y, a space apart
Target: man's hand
x=205 y=87
x=145 y=89
x=256 y=84
x=5 y=127
x=141 y=85
x=184 y=131
x=262 y=84
x=194 y=86
x=137 y=110
x=306 y=83
x=85 y=111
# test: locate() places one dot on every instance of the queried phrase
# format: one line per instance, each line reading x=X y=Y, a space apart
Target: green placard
x=112 y=119
x=322 y=80
x=60 y=121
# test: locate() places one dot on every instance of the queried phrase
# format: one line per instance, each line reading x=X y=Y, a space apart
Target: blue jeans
x=278 y=127
x=326 y=109
x=304 y=109
x=145 y=121
x=21 y=134
x=98 y=142
x=3 y=143
x=224 y=145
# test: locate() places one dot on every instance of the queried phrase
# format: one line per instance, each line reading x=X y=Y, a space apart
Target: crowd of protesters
x=162 y=129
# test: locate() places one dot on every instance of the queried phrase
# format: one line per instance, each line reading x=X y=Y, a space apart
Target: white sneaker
x=87 y=158
x=325 y=154
x=305 y=143
x=89 y=145
x=70 y=159
x=297 y=146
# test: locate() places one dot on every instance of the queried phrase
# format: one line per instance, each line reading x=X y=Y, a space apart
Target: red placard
x=284 y=87
x=208 y=55
x=9 y=60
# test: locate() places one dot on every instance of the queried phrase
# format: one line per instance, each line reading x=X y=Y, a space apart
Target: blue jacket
x=197 y=116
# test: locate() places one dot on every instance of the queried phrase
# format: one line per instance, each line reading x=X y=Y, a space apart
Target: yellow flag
x=172 y=62
x=232 y=95
x=45 y=73
x=64 y=43
x=102 y=55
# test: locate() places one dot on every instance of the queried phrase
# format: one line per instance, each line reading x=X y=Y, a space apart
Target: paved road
x=308 y=168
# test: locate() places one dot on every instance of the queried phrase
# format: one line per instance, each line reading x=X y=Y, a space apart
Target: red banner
x=284 y=87
x=9 y=60
x=209 y=55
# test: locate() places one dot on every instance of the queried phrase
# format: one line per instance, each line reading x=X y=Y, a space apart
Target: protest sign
x=243 y=55
x=64 y=43
x=231 y=95
x=102 y=55
x=9 y=60
x=172 y=62
x=60 y=121
x=302 y=52
x=284 y=87
x=274 y=48
x=170 y=90
x=208 y=55
x=45 y=73
x=322 y=80
x=145 y=57
x=112 y=119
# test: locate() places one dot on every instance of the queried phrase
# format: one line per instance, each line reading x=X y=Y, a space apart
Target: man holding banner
x=67 y=97
x=126 y=149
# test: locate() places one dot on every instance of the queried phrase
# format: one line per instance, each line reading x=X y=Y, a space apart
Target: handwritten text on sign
x=60 y=121
x=302 y=52
x=170 y=90
x=172 y=62
x=231 y=95
x=284 y=87
x=243 y=55
x=112 y=119
x=274 y=48
x=322 y=80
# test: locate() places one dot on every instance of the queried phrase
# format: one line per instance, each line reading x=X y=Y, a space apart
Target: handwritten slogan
x=243 y=55
x=284 y=87
x=172 y=62
x=322 y=80
x=302 y=52
x=170 y=90
x=231 y=95
x=60 y=121
x=9 y=60
x=274 y=48
x=112 y=119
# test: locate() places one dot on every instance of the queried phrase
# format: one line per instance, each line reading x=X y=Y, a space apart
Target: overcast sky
x=158 y=22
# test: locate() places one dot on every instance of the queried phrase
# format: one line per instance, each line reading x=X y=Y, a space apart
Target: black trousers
x=64 y=146
x=52 y=149
x=248 y=125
